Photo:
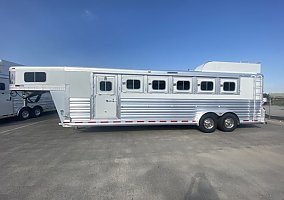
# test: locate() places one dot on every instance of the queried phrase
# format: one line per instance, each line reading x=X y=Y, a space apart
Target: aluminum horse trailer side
x=216 y=94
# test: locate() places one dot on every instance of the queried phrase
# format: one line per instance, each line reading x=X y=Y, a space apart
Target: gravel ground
x=41 y=160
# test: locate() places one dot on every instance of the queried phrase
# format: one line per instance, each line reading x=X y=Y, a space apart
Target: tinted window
x=183 y=85
x=207 y=85
x=35 y=76
x=105 y=86
x=133 y=84
x=2 y=86
x=158 y=85
x=229 y=86
x=29 y=76
x=40 y=77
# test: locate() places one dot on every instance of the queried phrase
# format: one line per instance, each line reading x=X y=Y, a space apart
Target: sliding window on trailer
x=158 y=84
x=229 y=86
x=206 y=85
x=132 y=83
x=182 y=85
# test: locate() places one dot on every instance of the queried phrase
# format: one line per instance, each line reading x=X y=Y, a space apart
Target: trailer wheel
x=228 y=122
x=37 y=111
x=25 y=113
x=208 y=123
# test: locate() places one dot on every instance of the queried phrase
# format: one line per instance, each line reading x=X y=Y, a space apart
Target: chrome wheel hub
x=229 y=123
x=25 y=114
x=208 y=123
x=37 y=112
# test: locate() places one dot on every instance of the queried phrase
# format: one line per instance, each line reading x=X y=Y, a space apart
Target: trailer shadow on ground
x=106 y=129
x=13 y=120
x=135 y=128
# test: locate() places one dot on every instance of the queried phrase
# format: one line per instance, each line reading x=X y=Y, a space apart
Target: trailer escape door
x=105 y=97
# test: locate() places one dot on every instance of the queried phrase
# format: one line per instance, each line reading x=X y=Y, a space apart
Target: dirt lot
x=41 y=160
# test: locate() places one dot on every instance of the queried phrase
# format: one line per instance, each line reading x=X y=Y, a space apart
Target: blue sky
x=145 y=34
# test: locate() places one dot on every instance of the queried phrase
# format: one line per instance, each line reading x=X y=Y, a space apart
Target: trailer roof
x=197 y=71
x=230 y=67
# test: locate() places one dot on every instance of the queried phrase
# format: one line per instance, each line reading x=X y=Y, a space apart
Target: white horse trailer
x=19 y=103
x=216 y=94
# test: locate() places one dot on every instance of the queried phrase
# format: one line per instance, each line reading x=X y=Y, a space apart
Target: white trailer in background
x=216 y=94
x=14 y=103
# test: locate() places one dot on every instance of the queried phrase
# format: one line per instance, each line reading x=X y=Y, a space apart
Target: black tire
x=37 y=111
x=228 y=122
x=25 y=113
x=208 y=123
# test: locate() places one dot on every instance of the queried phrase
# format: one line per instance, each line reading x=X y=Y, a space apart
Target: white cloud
x=88 y=15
